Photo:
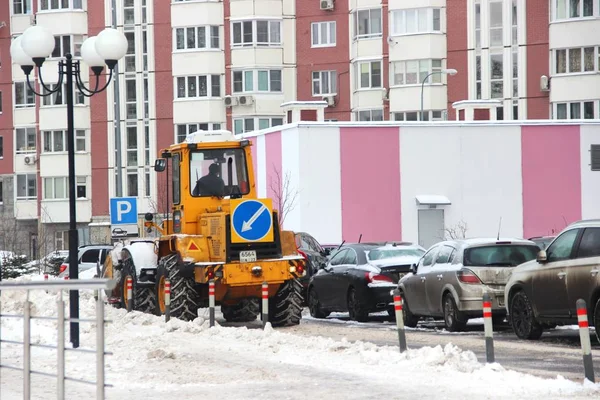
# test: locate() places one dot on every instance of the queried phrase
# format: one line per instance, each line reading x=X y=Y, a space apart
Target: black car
x=359 y=278
x=542 y=241
x=314 y=254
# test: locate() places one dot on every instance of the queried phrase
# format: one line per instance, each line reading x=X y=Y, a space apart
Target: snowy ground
x=154 y=360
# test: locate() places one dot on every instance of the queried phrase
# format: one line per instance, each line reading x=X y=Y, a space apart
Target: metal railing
x=59 y=285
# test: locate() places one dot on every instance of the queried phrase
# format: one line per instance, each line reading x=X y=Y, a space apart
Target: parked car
x=450 y=279
x=544 y=291
x=314 y=254
x=358 y=279
x=542 y=241
x=90 y=256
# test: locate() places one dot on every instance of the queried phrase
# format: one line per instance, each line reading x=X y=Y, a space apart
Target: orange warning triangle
x=193 y=246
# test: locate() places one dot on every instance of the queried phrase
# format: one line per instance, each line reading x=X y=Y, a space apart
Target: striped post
x=167 y=300
x=399 y=320
x=129 y=294
x=211 y=301
x=45 y=277
x=584 y=335
x=488 y=327
x=265 y=303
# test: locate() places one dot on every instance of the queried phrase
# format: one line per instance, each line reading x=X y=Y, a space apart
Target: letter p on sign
x=123 y=207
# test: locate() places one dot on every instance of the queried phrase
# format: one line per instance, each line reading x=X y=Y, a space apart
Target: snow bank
x=189 y=360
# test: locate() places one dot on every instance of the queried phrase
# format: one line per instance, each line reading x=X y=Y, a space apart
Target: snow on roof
x=210 y=136
x=432 y=199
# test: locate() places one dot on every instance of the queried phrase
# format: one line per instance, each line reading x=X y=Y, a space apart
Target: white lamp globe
x=38 y=42
x=89 y=54
x=18 y=55
x=111 y=45
x=450 y=71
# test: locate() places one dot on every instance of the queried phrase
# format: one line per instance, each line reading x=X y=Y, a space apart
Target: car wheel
x=355 y=309
x=453 y=318
x=410 y=320
x=314 y=306
x=597 y=319
x=523 y=321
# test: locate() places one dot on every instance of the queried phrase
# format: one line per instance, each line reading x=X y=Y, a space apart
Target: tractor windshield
x=218 y=172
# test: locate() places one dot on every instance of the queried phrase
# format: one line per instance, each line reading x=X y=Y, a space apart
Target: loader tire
x=245 y=311
x=285 y=308
x=144 y=298
x=185 y=300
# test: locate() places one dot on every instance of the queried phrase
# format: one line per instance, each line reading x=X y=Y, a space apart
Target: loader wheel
x=185 y=300
x=143 y=297
x=245 y=311
x=285 y=308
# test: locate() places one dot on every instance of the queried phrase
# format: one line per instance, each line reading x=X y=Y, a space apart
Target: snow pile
x=189 y=360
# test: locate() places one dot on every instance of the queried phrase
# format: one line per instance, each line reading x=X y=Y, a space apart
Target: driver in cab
x=211 y=184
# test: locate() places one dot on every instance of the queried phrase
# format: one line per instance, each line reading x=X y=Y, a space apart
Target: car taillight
x=467 y=276
x=372 y=277
x=300 y=269
x=62 y=268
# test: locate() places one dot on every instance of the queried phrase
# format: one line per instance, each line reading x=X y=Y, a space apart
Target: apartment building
x=230 y=64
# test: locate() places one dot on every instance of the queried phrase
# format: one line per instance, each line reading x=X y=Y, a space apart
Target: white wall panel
x=590 y=180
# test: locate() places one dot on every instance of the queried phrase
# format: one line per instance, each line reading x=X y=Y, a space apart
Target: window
x=221 y=172
x=496 y=76
x=515 y=73
x=61 y=240
x=478 y=26
x=369 y=75
x=57 y=141
x=478 y=76
x=132 y=182
x=496 y=24
x=176 y=178
x=66 y=44
x=24 y=96
x=562 y=246
x=1 y=147
x=413 y=72
x=564 y=9
x=25 y=140
x=243 y=125
x=574 y=110
x=59 y=98
x=26 y=187
x=193 y=87
x=81 y=187
x=444 y=255
x=370 y=115
x=198 y=38
x=323 y=34
x=428 y=115
x=417 y=20
x=56 y=188
x=131 y=50
x=576 y=60
x=51 y=5
x=595 y=157
x=256 y=33
x=91 y=256
x=257 y=81
x=22 y=7
x=367 y=23
x=515 y=23
x=182 y=130
x=590 y=243
x=129 y=12
x=132 y=146
x=324 y=82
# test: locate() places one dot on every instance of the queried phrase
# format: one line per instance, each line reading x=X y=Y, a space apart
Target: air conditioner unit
x=544 y=83
x=29 y=160
x=326 y=4
x=230 y=101
x=245 y=100
x=330 y=100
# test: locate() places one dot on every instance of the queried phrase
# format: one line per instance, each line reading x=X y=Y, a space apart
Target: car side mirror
x=413 y=268
x=160 y=164
x=542 y=257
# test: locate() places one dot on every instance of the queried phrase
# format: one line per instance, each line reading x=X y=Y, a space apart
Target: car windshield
x=218 y=172
x=502 y=255
x=382 y=254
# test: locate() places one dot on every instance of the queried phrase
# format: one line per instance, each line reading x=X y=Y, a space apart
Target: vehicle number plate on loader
x=248 y=256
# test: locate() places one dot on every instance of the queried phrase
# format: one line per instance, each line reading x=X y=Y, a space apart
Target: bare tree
x=284 y=194
x=458 y=231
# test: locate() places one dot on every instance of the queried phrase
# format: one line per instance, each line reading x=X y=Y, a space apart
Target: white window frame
x=75 y=42
x=331 y=89
x=432 y=115
x=254 y=73
x=61 y=240
x=400 y=68
x=196 y=80
x=371 y=33
x=28 y=7
x=256 y=123
x=255 y=42
x=208 y=38
x=568 y=11
x=497 y=80
x=357 y=114
x=358 y=75
x=568 y=53
x=569 y=108
x=194 y=127
x=51 y=100
x=29 y=132
x=399 y=18
x=28 y=95
x=71 y=5
x=49 y=186
x=330 y=33
x=27 y=187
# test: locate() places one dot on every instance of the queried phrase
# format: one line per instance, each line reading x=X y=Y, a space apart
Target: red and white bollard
x=129 y=294
x=265 y=303
x=488 y=328
x=211 y=302
x=399 y=320
x=46 y=279
x=584 y=335
x=167 y=300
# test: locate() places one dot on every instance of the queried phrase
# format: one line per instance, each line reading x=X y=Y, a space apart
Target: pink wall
x=273 y=163
x=551 y=178
x=370 y=181
x=253 y=149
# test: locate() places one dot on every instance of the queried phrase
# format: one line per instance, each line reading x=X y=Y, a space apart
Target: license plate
x=247 y=256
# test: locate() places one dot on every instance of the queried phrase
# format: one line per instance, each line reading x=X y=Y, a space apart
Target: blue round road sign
x=252 y=220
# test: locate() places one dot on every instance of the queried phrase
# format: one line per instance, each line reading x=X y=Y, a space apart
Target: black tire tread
x=410 y=320
x=185 y=299
x=460 y=322
x=361 y=313
x=144 y=298
x=285 y=308
x=245 y=311
x=536 y=330
x=317 y=311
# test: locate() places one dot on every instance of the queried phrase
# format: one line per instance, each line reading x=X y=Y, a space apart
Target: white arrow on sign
x=247 y=225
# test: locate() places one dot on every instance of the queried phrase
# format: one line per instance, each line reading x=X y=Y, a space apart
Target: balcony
x=57 y=211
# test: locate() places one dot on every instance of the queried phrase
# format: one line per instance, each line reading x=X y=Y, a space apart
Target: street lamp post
x=450 y=71
x=30 y=50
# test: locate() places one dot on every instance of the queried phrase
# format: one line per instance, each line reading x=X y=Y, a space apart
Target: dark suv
x=544 y=292
x=315 y=255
